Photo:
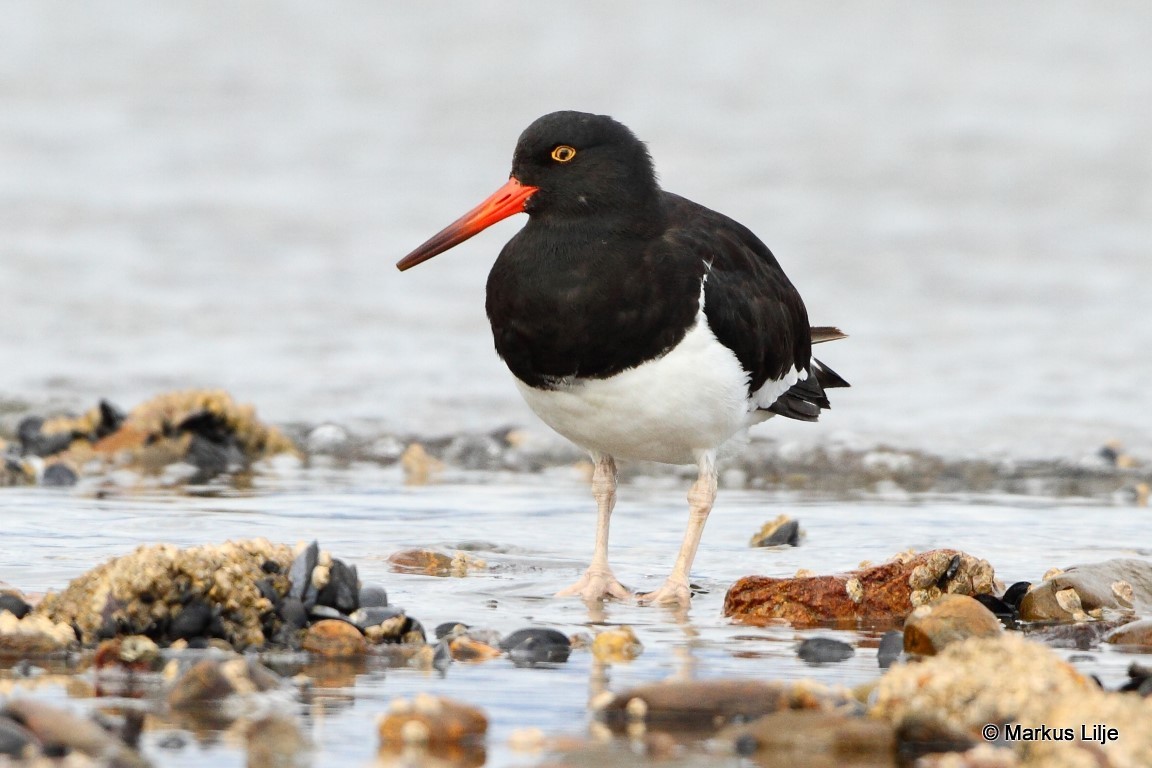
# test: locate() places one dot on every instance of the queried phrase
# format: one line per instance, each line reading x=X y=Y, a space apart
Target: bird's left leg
x=700 y=499
x=598 y=582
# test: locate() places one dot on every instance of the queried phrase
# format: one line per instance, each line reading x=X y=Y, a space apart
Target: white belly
x=672 y=409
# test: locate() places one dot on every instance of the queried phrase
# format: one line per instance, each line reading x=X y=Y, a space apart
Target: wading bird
x=638 y=324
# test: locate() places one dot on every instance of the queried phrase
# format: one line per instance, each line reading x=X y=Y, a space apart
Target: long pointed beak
x=501 y=204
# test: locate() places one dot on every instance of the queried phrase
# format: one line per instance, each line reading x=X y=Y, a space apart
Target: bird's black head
x=568 y=167
x=582 y=163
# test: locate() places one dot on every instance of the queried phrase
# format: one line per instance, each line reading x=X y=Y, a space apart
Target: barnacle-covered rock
x=875 y=594
x=33 y=635
x=147 y=591
x=203 y=429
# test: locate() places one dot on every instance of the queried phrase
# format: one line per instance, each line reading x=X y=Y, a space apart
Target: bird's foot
x=597 y=585
x=673 y=593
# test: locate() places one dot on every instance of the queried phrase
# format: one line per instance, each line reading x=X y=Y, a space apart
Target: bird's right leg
x=598 y=582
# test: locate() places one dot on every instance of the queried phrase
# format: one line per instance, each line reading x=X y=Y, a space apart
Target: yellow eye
x=563 y=153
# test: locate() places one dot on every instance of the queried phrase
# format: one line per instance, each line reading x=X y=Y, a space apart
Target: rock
x=275 y=741
x=142 y=593
x=432 y=563
x=33 y=635
x=781 y=532
x=891 y=648
x=14 y=604
x=1122 y=584
x=342 y=590
x=536 y=645
x=464 y=648
x=919 y=736
x=1008 y=679
x=134 y=653
x=433 y=721
x=708 y=705
x=388 y=624
x=1136 y=633
x=334 y=639
x=59 y=474
x=813 y=739
x=201 y=428
x=16 y=741
x=419 y=466
x=304 y=562
x=373 y=596
x=883 y=593
x=945 y=620
x=616 y=645
x=1139 y=680
x=824 y=650
x=59 y=731
x=1081 y=636
x=209 y=681
x=450 y=628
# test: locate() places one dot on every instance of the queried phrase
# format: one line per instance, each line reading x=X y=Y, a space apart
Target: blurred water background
x=215 y=194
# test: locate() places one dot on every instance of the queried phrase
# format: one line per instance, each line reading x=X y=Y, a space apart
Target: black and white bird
x=638 y=324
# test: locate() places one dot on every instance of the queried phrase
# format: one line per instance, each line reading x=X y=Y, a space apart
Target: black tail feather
x=806 y=399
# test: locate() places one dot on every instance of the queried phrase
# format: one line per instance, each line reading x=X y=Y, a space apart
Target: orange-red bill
x=501 y=204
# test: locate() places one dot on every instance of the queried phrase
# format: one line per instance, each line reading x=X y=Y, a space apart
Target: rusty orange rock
x=334 y=639
x=876 y=595
x=432 y=721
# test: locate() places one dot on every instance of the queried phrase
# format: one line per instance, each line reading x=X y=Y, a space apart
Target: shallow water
x=535 y=536
x=214 y=195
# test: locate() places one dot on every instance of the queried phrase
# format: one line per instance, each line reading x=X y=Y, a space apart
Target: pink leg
x=598 y=582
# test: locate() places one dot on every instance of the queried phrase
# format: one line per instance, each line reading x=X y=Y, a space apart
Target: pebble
x=464 y=648
x=276 y=741
x=708 y=705
x=813 y=738
x=34 y=635
x=333 y=638
x=432 y=720
x=947 y=619
x=824 y=650
x=342 y=590
x=60 y=732
x=373 y=596
x=59 y=475
x=208 y=681
x=617 y=645
x=781 y=532
x=15 y=740
x=1135 y=633
x=536 y=645
x=1080 y=591
x=891 y=648
x=14 y=604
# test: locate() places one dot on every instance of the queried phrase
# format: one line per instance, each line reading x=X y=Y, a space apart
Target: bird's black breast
x=566 y=303
x=590 y=304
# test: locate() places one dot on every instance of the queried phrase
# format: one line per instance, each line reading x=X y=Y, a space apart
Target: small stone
x=16 y=741
x=60 y=732
x=208 y=681
x=59 y=475
x=332 y=638
x=891 y=647
x=781 y=532
x=453 y=628
x=423 y=561
x=536 y=645
x=373 y=596
x=1136 y=633
x=947 y=619
x=617 y=645
x=436 y=721
x=464 y=648
x=135 y=653
x=14 y=604
x=342 y=590
x=193 y=620
x=813 y=738
x=824 y=650
x=708 y=705
x=276 y=741
x=33 y=635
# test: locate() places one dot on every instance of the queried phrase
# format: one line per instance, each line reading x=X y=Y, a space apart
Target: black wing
x=752 y=307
